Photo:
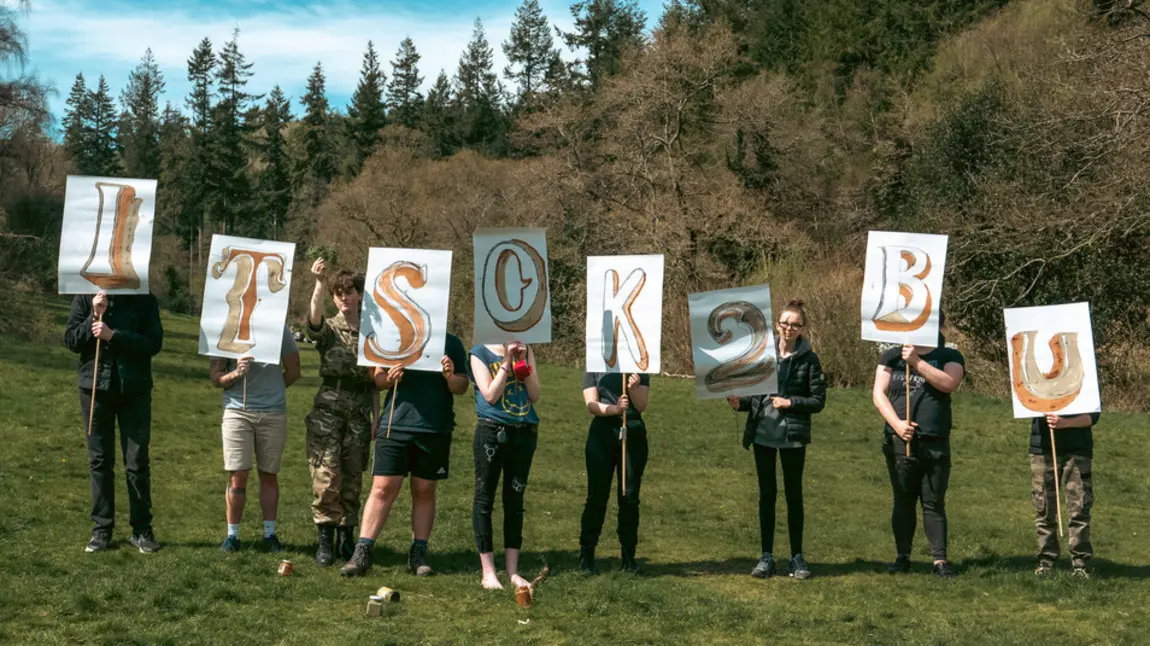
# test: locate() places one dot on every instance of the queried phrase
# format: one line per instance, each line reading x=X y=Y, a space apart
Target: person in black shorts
x=934 y=374
x=506 y=390
x=419 y=445
x=603 y=393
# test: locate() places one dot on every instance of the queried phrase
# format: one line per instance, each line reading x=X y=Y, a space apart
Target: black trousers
x=510 y=461
x=133 y=412
x=792 y=461
x=924 y=475
x=604 y=460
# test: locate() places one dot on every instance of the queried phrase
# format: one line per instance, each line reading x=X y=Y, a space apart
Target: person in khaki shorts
x=255 y=425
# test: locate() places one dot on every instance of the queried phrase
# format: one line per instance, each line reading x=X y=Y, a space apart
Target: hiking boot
x=145 y=541
x=1044 y=568
x=766 y=567
x=345 y=542
x=629 y=565
x=587 y=559
x=1079 y=572
x=230 y=544
x=901 y=565
x=798 y=568
x=943 y=570
x=359 y=563
x=101 y=540
x=325 y=534
x=417 y=560
x=272 y=544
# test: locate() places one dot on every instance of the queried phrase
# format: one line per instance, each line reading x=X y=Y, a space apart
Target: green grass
x=699 y=534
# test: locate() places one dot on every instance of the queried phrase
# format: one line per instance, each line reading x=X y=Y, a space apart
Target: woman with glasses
x=780 y=425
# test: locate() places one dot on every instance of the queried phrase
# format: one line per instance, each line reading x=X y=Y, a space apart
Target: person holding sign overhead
x=339 y=425
x=923 y=470
x=607 y=403
x=506 y=390
x=781 y=424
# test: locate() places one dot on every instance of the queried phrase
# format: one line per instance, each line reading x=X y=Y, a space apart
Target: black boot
x=587 y=559
x=629 y=564
x=359 y=563
x=325 y=538
x=345 y=542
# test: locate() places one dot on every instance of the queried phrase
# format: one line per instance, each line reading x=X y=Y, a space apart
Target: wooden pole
x=1057 y=476
x=623 y=478
x=391 y=413
x=245 y=391
x=95 y=375
x=907 y=403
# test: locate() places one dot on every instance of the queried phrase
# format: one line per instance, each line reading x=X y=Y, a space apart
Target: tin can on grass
x=285 y=568
x=388 y=595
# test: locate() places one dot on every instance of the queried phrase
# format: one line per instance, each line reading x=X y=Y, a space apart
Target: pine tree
x=139 y=133
x=439 y=118
x=275 y=178
x=317 y=162
x=606 y=29
x=103 y=155
x=197 y=171
x=530 y=50
x=78 y=126
x=232 y=189
x=366 y=114
x=403 y=96
x=477 y=97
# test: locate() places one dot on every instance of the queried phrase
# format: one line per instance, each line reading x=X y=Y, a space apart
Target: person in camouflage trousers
x=339 y=427
x=1074 y=445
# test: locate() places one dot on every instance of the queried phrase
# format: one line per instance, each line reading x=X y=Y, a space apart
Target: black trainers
x=101 y=540
x=629 y=565
x=766 y=567
x=230 y=544
x=1044 y=568
x=417 y=560
x=901 y=565
x=798 y=568
x=145 y=541
x=359 y=563
x=587 y=559
x=345 y=542
x=272 y=544
x=325 y=534
x=943 y=570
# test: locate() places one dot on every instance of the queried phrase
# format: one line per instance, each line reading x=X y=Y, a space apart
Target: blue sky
x=283 y=38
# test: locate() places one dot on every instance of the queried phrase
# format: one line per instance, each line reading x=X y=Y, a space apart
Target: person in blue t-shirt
x=506 y=390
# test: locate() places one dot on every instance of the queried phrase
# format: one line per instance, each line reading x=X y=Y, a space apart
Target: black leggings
x=792 y=460
x=510 y=460
x=603 y=461
x=924 y=475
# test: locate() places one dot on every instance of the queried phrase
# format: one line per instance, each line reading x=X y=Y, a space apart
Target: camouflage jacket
x=338 y=347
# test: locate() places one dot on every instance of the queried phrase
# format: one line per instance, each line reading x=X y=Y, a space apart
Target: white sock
x=269 y=528
x=233 y=530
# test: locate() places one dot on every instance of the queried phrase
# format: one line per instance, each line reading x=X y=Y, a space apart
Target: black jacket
x=801 y=380
x=1077 y=441
x=137 y=336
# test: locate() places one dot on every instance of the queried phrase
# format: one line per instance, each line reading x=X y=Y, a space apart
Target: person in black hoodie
x=120 y=388
x=1074 y=444
x=780 y=425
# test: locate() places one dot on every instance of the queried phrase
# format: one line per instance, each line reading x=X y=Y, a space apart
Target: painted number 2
x=756 y=363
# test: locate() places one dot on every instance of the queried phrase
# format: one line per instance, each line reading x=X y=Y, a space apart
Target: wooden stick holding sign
x=391 y=412
x=623 y=436
x=907 y=404
x=1057 y=475
x=95 y=374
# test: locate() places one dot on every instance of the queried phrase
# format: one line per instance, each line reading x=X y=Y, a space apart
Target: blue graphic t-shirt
x=514 y=407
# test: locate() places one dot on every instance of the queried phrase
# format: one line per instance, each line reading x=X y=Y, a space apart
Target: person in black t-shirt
x=603 y=393
x=419 y=445
x=934 y=374
x=1074 y=444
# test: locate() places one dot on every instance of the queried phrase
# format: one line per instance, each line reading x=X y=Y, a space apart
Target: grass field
x=699 y=534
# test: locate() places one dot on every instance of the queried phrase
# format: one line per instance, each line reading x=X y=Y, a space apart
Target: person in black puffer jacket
x=781 y=424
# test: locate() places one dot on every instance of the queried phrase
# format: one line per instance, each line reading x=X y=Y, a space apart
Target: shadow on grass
x=1103 y=568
